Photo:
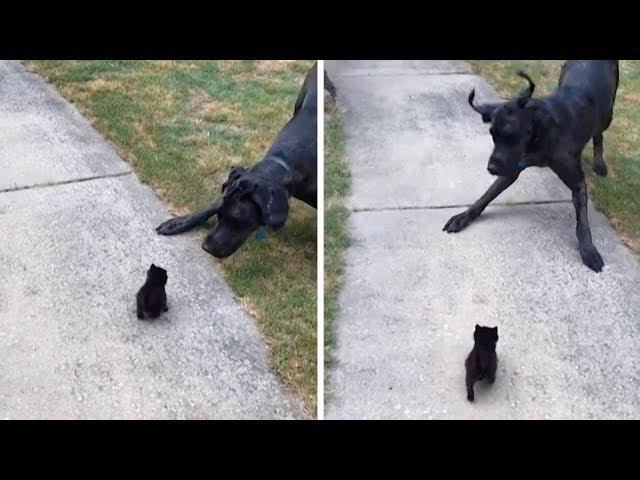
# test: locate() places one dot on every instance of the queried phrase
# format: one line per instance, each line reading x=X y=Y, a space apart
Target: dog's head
x=512 y=129
x=486 y=336
x=248 y=202
x=157 y=275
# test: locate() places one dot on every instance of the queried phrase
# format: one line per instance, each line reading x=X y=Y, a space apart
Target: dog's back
x=296 y=143
x=298 y=138
x=307 y=98
x=598 y=79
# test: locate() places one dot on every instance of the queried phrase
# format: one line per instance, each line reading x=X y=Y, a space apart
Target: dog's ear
x=485 y=110
x=236 y=172
x=273 y=203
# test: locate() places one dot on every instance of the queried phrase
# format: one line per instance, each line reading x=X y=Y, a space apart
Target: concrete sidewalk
x=76 y=238
x=569 y=338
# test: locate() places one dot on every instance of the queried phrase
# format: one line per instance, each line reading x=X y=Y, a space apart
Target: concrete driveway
x=76 y=238
x=569 y=338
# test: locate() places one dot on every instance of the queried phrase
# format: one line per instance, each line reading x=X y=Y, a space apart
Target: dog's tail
x=528 y=92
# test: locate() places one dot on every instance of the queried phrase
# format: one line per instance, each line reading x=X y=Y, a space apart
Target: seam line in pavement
x=65 y=182
x=462 y=205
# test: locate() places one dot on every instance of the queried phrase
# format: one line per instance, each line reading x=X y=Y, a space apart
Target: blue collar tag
x=261 y=235
x=522 y=164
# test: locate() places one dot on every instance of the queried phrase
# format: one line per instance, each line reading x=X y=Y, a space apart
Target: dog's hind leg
x=599 y=165
x=462 y=220
x=187 y=222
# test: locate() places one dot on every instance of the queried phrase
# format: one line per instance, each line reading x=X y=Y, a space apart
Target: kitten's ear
x=477 y=327
x=495 y=329
x=153 y=265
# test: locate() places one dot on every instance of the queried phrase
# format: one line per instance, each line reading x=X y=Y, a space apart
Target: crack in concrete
x=64 y=182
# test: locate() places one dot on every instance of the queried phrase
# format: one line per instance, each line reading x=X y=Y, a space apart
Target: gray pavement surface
x=569 y=338
x=76 y=238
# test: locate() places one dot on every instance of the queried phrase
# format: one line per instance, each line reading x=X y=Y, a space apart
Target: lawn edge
x=334 y=123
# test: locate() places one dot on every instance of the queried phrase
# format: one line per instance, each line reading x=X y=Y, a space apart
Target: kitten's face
x=157 y=274
x=486 y=335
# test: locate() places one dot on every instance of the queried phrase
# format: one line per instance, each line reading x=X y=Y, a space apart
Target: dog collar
x=284 y=166
x=522 y=164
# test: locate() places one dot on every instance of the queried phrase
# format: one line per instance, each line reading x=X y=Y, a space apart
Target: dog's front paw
x=458 y=222
x=173 y=226
x=592 y=258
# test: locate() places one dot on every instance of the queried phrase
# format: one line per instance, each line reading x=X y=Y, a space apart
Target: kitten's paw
x=591 y=258
x=140 y=316
x=458 y=222
x=470 y=396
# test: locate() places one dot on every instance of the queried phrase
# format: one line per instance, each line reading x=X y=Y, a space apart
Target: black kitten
x=482 y=361
x=151 y=298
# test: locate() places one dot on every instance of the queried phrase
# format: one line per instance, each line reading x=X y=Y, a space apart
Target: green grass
x=336 y=237
x=618 y=194
x=182 y=125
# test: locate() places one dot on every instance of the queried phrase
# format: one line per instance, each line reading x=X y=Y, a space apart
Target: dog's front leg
x=590 y=255
x=462 y=220
x=187 y=222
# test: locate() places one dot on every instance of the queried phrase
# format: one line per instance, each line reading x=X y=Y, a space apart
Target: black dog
x=260 y=196
x=152 y=298
x=482 y=362
x=551 y=132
